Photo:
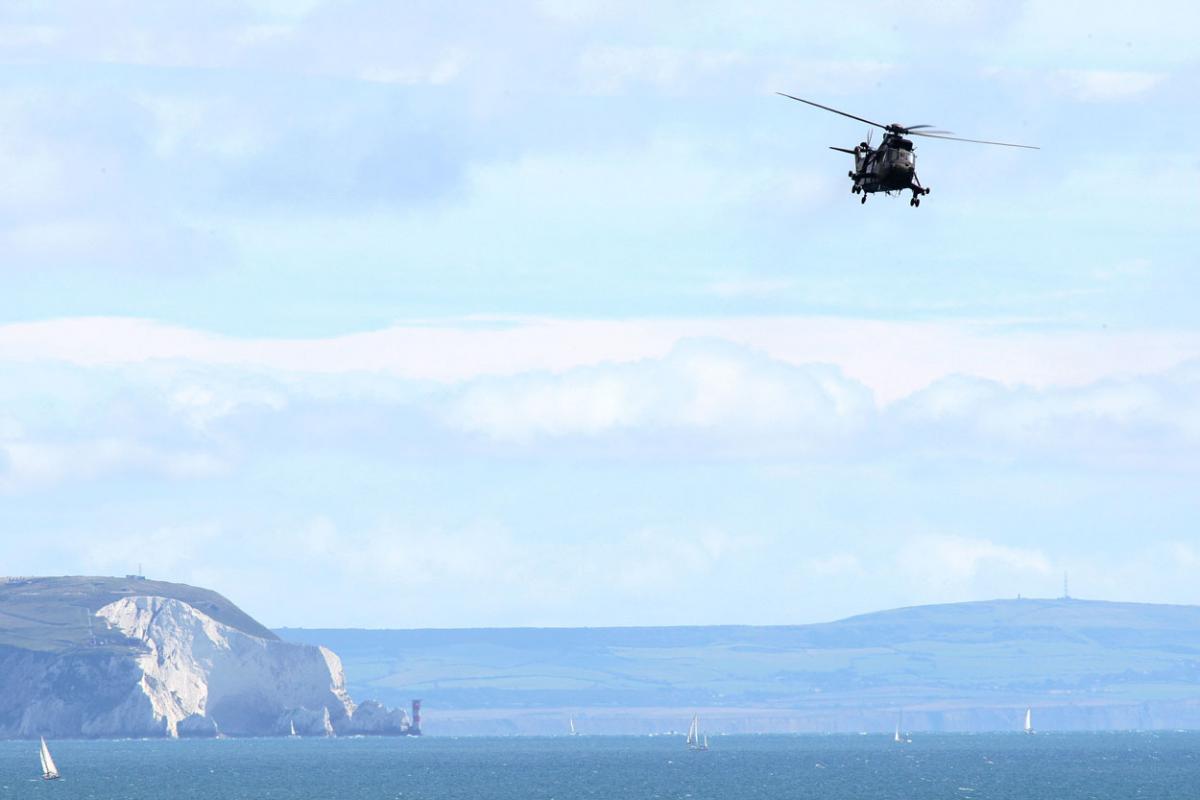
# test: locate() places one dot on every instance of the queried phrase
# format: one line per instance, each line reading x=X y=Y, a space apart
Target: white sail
x=292 y=723
x=694 y=741
x=896 y=738
x=1029 y=720
x=571 y=722
x=49 y=770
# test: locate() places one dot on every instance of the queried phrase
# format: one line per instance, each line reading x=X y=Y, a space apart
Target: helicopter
x=892 y=167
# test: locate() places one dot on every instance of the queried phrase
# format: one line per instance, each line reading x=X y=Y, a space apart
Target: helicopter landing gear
x=914 y=202
x=864 y=200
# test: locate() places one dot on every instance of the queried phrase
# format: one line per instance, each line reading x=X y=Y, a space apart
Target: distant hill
x=967 y=666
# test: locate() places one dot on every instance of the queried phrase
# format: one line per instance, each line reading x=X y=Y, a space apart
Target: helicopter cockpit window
x=904 y=144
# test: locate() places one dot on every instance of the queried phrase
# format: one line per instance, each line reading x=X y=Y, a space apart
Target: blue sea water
x=995 y=766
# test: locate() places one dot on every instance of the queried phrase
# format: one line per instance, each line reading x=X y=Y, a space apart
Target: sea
x=1045 y=766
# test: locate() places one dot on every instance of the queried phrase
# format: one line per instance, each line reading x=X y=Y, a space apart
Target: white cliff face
x=197 y=669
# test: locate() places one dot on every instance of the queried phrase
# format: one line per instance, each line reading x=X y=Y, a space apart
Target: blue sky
x=552 y=313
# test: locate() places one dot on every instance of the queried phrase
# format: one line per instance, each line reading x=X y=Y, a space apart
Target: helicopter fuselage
x=888 y=169
x=892 y=167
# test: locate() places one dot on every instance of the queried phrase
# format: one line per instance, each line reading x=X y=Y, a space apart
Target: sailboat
x=897 y=738
x=694 y=741
x=292 y=734
x=571 y=723
x=49 y=770
x=1029 y=720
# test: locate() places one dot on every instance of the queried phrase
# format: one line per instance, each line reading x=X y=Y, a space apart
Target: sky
x=554 y=313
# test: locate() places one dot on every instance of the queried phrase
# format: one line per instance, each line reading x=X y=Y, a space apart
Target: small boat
x=1029 y=720
x=293 y=734
x=897 y=738
x=49 y=770
x=694 y=742
x=571 y=724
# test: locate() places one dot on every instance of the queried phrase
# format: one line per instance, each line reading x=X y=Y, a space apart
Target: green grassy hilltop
x=55 y=614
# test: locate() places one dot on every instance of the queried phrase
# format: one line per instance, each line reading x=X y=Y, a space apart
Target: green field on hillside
x=985 y=654
x=57 y=614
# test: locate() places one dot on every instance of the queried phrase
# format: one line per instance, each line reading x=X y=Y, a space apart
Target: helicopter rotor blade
x=842 y=150
x=914 y=128
x=834 y=110
x=976 y=141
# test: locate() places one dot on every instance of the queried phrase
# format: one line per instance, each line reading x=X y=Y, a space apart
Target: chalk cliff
x=192 y=665
x=154 y=664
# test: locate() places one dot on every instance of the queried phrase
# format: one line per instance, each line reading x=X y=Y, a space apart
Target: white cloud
x=1135 y=269
x=573 y=10
x=438 y=73
x=1078 y=31
x=828 y=78
x=950 y=561
x=203 y=400
x=1166 y=202
x=647 y=561
x=21 y=36
x=137 y=396
x=1108 y=85
x=1153 y=416
x=186 y=125
x=704 y=387
x=36 y=174
x=893 y=359
x=31 y=464
x=1082 y=85
x=611 y=68
x=750 y=287
x=164 y=550
x=680 y=181
x=834 y=565
x=467 y=556
x=484 y=571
